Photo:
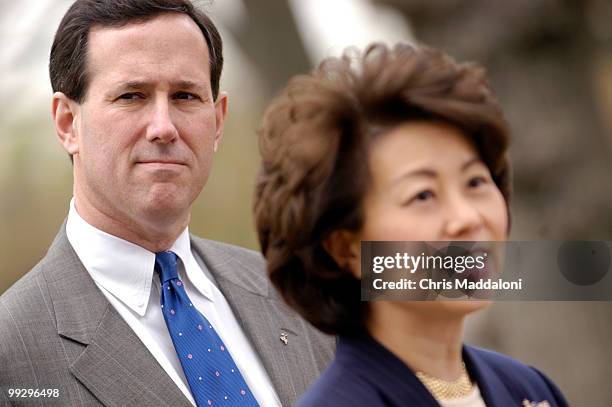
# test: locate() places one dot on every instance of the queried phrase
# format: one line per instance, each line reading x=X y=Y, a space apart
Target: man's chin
x=165 y=206
x=165 y=202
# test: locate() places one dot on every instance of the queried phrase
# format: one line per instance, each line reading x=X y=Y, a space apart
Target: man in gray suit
x=138 y=108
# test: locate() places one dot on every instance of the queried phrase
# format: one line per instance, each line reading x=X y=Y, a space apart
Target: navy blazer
x=365 y=373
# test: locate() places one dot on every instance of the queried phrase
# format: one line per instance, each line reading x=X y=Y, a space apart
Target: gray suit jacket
x=58 y=331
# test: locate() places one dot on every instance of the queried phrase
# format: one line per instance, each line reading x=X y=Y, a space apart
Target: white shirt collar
x=123 y=268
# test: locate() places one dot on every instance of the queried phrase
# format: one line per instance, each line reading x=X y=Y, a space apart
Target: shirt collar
x=123 y=268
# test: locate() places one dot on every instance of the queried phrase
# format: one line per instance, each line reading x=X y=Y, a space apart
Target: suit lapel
x=277 y=334
x=492 y=389
x=264 y=323
x=114 y=365
x=119 y=370
x=365 y=359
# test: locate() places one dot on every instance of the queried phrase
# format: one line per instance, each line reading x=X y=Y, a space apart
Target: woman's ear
x=344 y=247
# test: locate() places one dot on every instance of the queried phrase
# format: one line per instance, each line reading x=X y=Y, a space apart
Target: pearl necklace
x=444 y=390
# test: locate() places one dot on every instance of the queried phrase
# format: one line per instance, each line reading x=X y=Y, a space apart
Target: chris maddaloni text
x=454 y=284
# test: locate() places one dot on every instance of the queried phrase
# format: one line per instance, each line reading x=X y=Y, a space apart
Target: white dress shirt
x=124 y=272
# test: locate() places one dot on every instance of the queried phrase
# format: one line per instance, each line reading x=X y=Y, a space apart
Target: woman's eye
x=422 y=196
x=475 y=182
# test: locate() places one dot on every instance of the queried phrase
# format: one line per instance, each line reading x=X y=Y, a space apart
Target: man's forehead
x=167 y=43
x=173 y=20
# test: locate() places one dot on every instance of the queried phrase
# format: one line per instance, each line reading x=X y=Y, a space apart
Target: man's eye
x=131 y=96
x=185 y=96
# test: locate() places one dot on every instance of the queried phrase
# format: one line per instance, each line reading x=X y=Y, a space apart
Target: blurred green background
x=550 y=62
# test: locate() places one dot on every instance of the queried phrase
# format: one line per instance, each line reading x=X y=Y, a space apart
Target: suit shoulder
x=501 y=362
x=24 y=308
x=519 y=376
x=26 y=289
x=241 y=254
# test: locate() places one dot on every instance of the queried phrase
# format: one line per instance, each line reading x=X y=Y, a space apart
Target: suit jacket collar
x=366 y=357
x=494 y=392
x=397 y=381
x=114 y=365
x=264 y=318
x=77 y=302
x=118 y=369
x=223 y=265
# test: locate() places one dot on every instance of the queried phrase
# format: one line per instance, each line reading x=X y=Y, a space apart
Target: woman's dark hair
x=68 y=59
x=314 y=142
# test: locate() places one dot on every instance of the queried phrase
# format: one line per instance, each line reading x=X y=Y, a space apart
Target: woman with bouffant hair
x=389 y=144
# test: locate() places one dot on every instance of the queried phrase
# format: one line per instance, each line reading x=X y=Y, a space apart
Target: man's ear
x=64 y=111
x=220 y=113
x=345 y=248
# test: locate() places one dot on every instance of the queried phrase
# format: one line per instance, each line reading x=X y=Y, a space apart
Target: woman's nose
x=464 y=219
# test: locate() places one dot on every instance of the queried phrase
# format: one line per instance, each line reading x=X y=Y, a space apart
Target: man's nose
x=161 y=128
x=464 y=219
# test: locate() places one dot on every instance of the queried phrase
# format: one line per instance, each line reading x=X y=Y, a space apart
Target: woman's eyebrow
x=420 y=172
x=470 y=162
x=431 y=173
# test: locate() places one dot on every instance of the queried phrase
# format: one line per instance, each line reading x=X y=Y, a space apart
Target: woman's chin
x=451 y=308
x=464 y=306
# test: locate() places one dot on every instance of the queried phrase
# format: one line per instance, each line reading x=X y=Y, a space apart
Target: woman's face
x=428 y=183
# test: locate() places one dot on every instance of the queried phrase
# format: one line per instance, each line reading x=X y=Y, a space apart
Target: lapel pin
x=284 y=338
x=527 y=403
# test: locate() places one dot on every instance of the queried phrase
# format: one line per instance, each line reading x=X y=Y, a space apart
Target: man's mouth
x=162 y=162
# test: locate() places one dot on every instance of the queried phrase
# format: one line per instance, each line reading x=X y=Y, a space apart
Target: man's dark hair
x=315 y=141
x=67 y=63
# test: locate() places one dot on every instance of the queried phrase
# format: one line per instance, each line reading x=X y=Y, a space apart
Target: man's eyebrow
x=182 y=84
x=132 y=85
x=187 y=85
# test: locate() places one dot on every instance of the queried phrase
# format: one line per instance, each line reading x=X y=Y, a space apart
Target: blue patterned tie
x=213 y=376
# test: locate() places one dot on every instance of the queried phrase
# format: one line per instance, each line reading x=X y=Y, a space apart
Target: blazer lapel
x=119 y=370
x=389 y=377
x=492 y=389
x=114 y=365
x=268 y=328
x=278 y=335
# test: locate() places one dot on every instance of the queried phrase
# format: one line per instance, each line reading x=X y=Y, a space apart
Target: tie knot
x=166 y=264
